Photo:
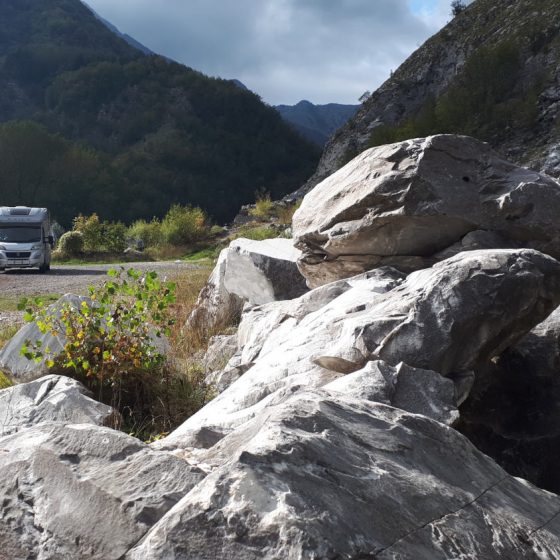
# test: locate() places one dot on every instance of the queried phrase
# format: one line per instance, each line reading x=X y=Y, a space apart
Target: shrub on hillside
x=148 y=232
x=457 y=6
x=101 y=236
x=184 y=224
x=71 y=244
x=264 y=207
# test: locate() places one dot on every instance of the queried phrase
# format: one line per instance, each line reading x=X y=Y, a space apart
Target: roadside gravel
x=63 y=279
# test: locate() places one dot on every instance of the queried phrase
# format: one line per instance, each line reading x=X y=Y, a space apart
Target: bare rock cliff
x=493 y=73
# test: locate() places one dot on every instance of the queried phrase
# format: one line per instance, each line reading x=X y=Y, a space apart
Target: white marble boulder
x=254 y=272
x=52 y=398
x=82 y=491
x=448 y=319
x=319 y=475
x=405 y=204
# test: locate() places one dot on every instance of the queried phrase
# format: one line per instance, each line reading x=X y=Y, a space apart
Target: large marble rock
x=512 y=412
x=264 y=271
x=52 y=398
x=215 y=306
x=403 y=204
x=255 y=272
x=221 y=349
x=324 y=476
x=447 y=319
x=20 y=368
x=82 y=491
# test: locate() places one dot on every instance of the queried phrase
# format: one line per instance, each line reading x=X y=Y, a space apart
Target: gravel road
x=64 y=279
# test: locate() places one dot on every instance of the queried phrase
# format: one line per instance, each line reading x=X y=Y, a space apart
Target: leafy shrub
x=183 y=225
x=115 y=235
x=92 y=231
x=71 y=244
x=149 y=233
x=111 y=346
x=101 y=236
x=457 y=6
x=264 y=207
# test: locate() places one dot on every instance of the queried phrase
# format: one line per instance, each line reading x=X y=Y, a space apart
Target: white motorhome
x=26 y=238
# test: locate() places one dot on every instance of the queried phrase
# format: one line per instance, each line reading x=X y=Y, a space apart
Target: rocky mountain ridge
x=317 y=122
x=492 y=73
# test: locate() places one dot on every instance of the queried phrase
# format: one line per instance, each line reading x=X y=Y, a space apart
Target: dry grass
x=189 y=341
x=264 y=207
x=4 y=381
x=5 y=335
x=185 y=390
x=286 y=213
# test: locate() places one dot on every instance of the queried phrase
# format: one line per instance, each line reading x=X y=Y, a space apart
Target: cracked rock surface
x=52 y=398
x=82 y=491
x=324 y=476
x=404 y=204
x=446 y=319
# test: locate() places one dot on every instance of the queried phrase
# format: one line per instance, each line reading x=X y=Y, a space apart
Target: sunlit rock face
x=319 y=475
x=52 y=398
x=447 y=319
x=83 y=491
x=247 y=271
x=416 y=202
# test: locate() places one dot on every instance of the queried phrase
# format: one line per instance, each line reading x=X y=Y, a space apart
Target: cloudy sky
x=284 y=50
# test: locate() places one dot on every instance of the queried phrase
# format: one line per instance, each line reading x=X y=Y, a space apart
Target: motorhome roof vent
x=20 y=211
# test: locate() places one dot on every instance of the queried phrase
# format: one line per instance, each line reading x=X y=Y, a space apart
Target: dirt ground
x=63 y=279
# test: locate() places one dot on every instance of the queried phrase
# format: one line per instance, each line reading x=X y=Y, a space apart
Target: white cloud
x=284 y=50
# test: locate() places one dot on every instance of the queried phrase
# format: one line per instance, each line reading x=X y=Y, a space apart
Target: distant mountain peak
x=317 y=122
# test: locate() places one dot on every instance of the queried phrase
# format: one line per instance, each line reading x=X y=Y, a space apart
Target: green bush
x=149 y=233
x=183 y=225
x=92 y=231
x=71 y=244
x=110 y=342
x=264 y=207
x=101 y=236
x=115 y=235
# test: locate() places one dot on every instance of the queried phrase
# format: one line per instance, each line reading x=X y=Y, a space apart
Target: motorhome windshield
x=20 y=234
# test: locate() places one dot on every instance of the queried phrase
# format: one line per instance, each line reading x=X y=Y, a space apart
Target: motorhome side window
x=20 y=234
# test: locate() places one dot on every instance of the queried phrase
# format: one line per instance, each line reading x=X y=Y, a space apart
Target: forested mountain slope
x=126 y=134
x=492 y=73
